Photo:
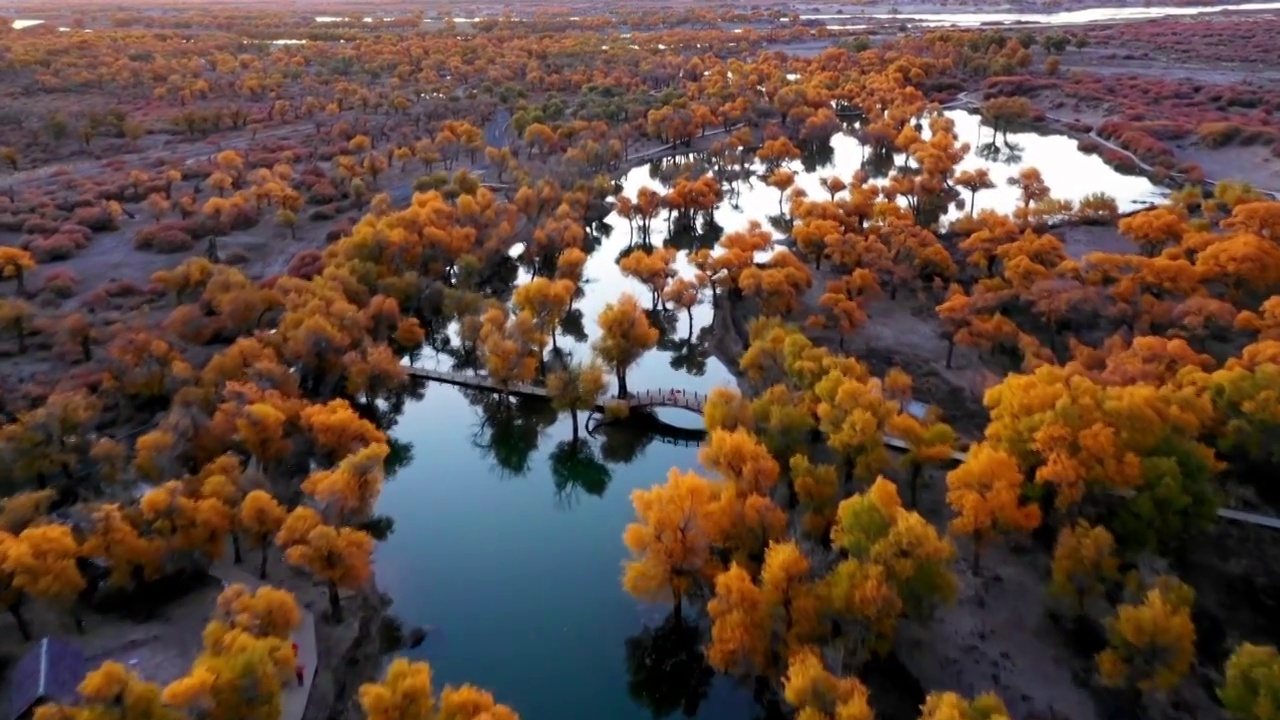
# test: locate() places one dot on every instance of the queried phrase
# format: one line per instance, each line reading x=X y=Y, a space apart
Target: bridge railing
x=670 y=397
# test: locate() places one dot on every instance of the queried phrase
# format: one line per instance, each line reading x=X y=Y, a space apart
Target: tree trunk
x=335 y=603
x=915 y=484
x=236 y=557
x=262 y=564
x=677 y=604
x=16 y=611
x=573 y=413
x=621 y=372
x=951 y=348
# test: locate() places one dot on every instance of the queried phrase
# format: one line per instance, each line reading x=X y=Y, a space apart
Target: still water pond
x=1064 y=17
x=508 y=534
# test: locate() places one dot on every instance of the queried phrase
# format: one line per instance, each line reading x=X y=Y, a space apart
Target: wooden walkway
x=662 y=397
x=1240 y=516
x=696 y=401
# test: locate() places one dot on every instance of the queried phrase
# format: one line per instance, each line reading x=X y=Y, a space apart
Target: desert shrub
x=55 y=247
x=81 y=231
x=172 y=241
x=235 y=256
x=1256 y=136
x=1191 y=172
x=11 y=223
x=1166 y=130
x=1017 y=85
x=306 y=264
x=60 y=283
x=1097 y=209
x=188 y=323
x=129 y=289
x=119 y=295
x=166 y=237
x=39 y=226
x=323 y=193
x=95 y=218
x=1145 y=147
x=1217 y=134
x=1119 y=161
x=342 y=228
x=244 y=217
x=82 y=201
x=324 y=212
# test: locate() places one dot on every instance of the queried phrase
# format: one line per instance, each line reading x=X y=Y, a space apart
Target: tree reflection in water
x=509 y=429
x=622 y=443
x=666 y=668
x=690 y=355
x=575 y=467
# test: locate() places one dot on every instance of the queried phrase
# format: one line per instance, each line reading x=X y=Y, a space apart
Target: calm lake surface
x=508 y=536
x=1065 y=17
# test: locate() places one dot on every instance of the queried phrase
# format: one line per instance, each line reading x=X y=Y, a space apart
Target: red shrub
x=306 y=264
x=95 y=218
x=40 y=226
x=55 y=247
x=72 y=229
x=60 y=283
x=324 y=212
x=167 y=237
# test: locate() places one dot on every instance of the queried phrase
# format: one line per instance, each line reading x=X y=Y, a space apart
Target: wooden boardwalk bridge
x=645 y=399
x=696 y=402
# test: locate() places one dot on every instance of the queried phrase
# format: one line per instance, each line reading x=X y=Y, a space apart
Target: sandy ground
x=997 y=636
x=906 y=333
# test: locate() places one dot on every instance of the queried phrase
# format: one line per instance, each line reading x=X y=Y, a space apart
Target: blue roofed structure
x=48 y=672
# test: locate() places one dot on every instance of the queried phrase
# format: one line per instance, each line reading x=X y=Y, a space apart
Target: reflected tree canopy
x=509 y=429
x=690 y=235
x=666 y=668
x=622 y=443
x=573 y=327
x=1006 y=153
x=690 y=355
x=400 y=457
x=576 y=467
x=817 y=155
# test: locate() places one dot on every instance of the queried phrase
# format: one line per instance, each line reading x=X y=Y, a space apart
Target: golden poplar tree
x=340 y=557
x=671 y=541
x=625 y=335
x=985 y=493
x=260 y=517
x=1151 y=643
